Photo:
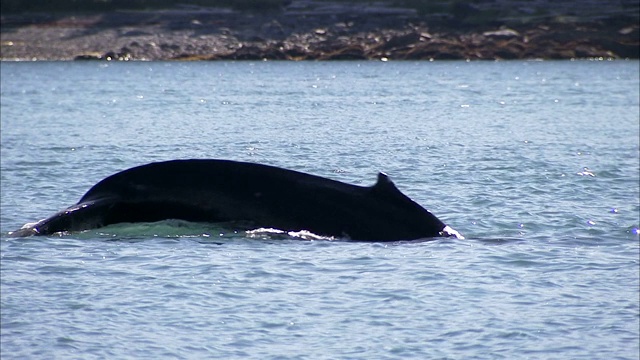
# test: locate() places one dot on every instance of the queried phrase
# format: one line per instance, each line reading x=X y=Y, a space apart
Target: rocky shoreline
x=334 y=33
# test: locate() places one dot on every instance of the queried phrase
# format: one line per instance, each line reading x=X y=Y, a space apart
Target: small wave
x=177 y=229
x=172 y=229
x=270 y=233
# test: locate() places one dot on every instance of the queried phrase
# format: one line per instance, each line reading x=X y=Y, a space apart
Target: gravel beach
x=321 y=30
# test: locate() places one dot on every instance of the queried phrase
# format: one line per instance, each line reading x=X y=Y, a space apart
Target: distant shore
x=345 y=33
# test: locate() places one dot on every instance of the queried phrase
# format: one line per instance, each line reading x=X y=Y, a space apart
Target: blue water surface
x=536 y=163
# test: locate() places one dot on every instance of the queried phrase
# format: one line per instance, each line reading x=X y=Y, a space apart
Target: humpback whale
x=208 y=190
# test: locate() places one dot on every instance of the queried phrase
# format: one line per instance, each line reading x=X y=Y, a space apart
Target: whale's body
x=255 y=194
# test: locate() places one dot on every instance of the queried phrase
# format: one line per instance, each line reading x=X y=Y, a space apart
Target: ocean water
x=536 y=163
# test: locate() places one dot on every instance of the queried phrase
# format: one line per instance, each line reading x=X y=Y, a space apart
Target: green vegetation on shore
x=20 y=6
x=465 y=13
x=109 y=5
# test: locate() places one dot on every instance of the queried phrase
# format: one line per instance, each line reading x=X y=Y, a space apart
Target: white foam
x=449 y=232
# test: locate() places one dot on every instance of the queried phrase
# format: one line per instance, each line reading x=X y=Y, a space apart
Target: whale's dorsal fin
x=384 y=186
